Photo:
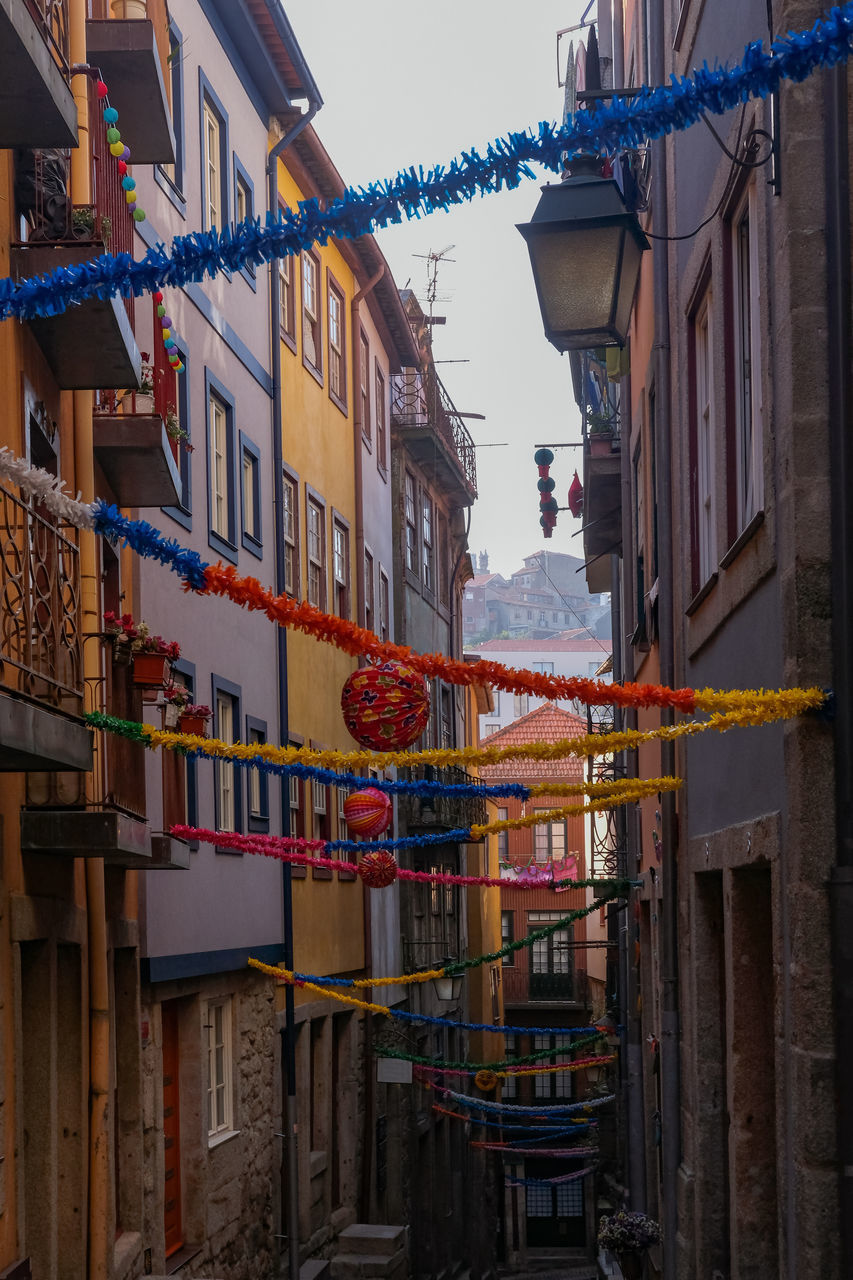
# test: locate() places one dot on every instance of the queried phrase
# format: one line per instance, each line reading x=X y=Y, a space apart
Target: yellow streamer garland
x=289 y=975
x=547 y=1071
x=790 y=703
x=631 y=789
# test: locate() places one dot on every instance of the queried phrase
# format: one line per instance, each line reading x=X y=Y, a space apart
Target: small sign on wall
x=393 y=1071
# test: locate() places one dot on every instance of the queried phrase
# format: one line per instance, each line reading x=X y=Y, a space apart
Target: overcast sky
x=404 y=84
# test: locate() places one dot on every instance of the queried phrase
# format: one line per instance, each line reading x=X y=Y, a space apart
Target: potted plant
x=190 y=717
x=628 y=1236
x=600 y=430
x=143 y=400
x=82 y=222
x=120 y=631
x=150 y=654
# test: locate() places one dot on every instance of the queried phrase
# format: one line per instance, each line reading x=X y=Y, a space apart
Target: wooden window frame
x=312 y=322
x=342 y=585
x=365 y=417
x=292 y=544
x=257 y=819
x=337 y=354
x=315 y=502
x=384 y=605
x=380 y=385
x=252 y=539
x=216 y=1132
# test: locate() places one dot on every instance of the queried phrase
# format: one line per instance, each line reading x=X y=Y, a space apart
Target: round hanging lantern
x=386 y=706
x=546 y=484
x=368 y=813
x=485 y=1080
x=576 y=497
x=378 y=869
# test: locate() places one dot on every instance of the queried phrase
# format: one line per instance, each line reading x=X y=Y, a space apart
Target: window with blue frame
x=227 y=792
x=244 y=207
x=256 y=781
x=214 y=157
x=221 y=469
x=250 y=480
x=178 y=425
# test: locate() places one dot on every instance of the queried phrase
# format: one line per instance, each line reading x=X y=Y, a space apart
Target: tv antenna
x=433 y=258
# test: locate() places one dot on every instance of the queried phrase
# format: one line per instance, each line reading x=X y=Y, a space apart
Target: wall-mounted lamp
x=585 y=249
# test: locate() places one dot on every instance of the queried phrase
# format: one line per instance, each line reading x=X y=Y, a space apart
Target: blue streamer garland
x=149 y=542
x=479 y=1104
x=625 y=122
x=545 y=1130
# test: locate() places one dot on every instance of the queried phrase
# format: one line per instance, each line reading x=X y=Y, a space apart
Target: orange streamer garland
x=224 y=580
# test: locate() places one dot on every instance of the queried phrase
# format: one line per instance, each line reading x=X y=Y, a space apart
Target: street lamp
x=448 y=987
x=585 y=248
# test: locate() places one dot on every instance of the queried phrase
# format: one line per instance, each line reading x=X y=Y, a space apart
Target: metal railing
x=608 y=855
x=446 y=812
x=521 y=986
x=51 y=18
x=420 y=400
x=40 y=649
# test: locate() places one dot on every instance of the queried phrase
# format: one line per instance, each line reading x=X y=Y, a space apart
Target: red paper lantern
x=576 y=497
x=378 y=869
x=368 y=813
x=386 y=706
x=102 y=89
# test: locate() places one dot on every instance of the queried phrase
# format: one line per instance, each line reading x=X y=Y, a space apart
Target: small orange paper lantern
x=368 y=813
x=386 y=706
x=378 y=869
x=485 y=1080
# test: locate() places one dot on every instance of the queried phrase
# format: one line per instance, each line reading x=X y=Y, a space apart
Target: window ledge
x=702 y=594
x=339 y=403
x=313 y=370
x=288 y=339
x=175 y=195
x=747 y=533
x=218 y=1139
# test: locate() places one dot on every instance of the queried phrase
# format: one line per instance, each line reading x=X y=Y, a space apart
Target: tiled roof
x=548 y=723
x=562 y=642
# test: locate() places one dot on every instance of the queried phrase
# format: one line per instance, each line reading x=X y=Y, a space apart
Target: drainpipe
x=289 y=1034
x=840 y=428
x=99 y=995
x=355 y=306
x=670 y=1081
x=360 y=589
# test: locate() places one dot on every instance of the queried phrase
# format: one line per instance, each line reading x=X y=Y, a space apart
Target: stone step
x=374 y=1238
x=369 y=1266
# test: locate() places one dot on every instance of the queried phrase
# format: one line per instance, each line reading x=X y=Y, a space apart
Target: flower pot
x=600 y=444
x=631 y=1264
x=149 y=669
x=188 y=723
x=143 y=402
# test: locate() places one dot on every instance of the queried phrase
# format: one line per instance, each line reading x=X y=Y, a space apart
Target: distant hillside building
x=547 y=595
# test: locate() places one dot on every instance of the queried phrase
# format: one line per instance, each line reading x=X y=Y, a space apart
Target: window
x=411 y=524
x=258 y=782
x=706 y=514
x=384 y=605
x=286 y=301
x=337 y=347
x=251 y=494
x=322 y=824
x=381 y=441
x=747 y=363
x=220 y=1100
x=520 y=702
x=549 y=840
x=443 y=570
x=316 y=554
x=445 y=718
x=244 y=207
x=214 y=174
x=369 y=621
x=510 y=1081
x=558 y=1085
x=297 y=807
x=340 y=567
x=434 y=891
x=544 y=668
x=428 y=557
x=311 y=349
x=290 y=510
x=221 y=469
x=178 y=402
x=490 y=726
x=503 y=837
x=507 y=932
x=364 y=387
x=226 y=706
x=175 y=172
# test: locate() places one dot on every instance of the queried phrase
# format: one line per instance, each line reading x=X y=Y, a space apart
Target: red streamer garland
x=224 y=580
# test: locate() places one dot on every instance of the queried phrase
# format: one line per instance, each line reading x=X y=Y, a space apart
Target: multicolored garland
x=120 y=152
x=624 y=123
x=543 y=1111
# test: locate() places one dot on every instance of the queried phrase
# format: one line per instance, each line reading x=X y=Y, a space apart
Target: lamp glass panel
x=627 y=284
x=576 y=273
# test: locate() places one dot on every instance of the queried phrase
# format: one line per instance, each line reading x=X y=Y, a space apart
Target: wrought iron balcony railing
x=51 y=18
x=40 y=649
x=420 y=400
x=447 y=812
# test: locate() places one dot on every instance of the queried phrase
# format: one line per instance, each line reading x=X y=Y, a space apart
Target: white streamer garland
x=35 y=482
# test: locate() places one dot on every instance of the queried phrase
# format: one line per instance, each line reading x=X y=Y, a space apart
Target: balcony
x=442 y=812
x=125 y=51
x=433 y=431
x=90 y=345
x=599 y=400
x=521 y=987
x=134 y=451
x=37 y=108
x=110 y=821
x=41 y=675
